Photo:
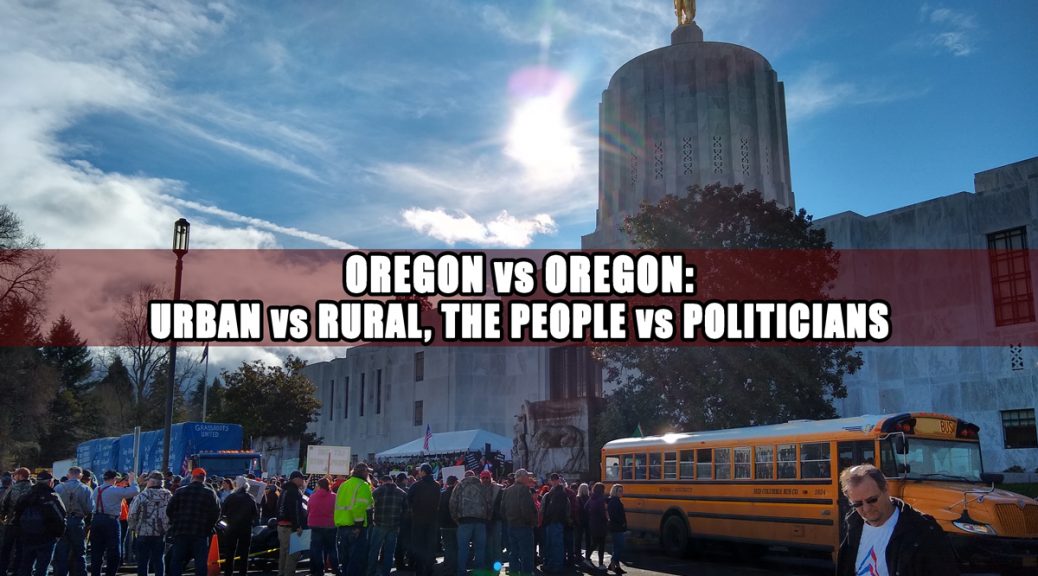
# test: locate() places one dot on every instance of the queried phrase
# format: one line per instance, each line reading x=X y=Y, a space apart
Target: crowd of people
x=364 y=524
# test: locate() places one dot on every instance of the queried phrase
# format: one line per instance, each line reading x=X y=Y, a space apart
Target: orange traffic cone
x=213 y=564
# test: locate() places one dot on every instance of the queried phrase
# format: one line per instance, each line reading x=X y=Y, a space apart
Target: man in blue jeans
x=390 y=507
x=555 y=511
x=105 y=531
x=520 y=513
x=471 y=510
x=70 y=553
x=193 y=512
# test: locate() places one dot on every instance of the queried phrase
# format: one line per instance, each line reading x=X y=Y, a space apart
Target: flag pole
x=205 y=382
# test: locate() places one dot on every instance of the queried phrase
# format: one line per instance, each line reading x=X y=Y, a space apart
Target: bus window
x=686 y=465
x=612 y=468
x=787 y=461
x=703 y=459
x=742 y=463
x=856 y=452
x=888 y=463
x=765 y=460
x=627 y=470
x=723 y=463
x=814 y=460
x=655 y=466
x=670 y=466
x=639 y=466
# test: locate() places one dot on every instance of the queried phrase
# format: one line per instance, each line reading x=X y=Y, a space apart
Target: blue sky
x=378 y=125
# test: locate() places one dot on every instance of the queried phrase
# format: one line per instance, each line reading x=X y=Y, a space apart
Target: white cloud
x=504 y=230
x=260 y=223
x=818 y=89
x=948 y=30
x=69 y=59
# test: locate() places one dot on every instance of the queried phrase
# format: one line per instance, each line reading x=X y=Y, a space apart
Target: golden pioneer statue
x=685 y=10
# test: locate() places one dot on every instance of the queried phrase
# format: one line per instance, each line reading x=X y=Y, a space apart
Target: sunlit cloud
x=456 y=227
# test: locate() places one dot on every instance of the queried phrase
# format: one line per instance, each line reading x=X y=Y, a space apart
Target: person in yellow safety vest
x=352 y=502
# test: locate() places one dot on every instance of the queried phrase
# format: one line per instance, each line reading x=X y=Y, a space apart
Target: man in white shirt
x=886 y=536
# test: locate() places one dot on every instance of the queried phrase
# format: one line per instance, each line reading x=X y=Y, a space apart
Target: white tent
x=451 y=442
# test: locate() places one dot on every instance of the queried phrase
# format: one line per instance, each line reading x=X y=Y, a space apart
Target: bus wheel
x=674 y=536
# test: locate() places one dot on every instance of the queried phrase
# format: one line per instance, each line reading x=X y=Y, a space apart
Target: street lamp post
x=181 y=231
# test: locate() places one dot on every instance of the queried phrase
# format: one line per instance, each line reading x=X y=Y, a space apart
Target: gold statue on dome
x=685 y=10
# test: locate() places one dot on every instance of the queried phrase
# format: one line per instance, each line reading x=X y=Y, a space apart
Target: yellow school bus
x=778 y=485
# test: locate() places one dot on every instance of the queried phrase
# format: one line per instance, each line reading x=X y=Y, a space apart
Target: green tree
x=269 y=400
x=212 y=402
x=113 y=400
x=697 y=387
x=66 y=352
x=27 y=384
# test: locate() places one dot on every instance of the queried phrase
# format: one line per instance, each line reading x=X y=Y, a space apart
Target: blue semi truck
x=210 y=445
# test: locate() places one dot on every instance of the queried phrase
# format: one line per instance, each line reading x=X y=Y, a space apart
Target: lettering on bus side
x=778 y=491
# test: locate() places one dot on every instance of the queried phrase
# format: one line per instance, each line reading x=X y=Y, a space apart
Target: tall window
x=787 y=461
x=346 y=398
x=362 y=375
x=378 y=392
x=1010 y=277
x=742 y=463
x=1018 y=428
x=418 y=413
x=331 y=400
x=419 y=366
x=763 y=469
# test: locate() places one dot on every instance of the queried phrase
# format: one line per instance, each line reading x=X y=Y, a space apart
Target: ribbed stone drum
x=690 y=113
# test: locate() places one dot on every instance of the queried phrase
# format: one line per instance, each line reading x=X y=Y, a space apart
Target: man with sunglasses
x=887 y=537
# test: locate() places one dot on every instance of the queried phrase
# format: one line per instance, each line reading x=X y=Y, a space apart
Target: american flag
x=428 y=436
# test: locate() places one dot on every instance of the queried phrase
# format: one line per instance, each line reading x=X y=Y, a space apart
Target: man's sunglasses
x=869 y=501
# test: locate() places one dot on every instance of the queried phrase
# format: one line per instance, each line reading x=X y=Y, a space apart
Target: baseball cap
x=295 y=474
x=521 y=473
x=486 y=474
x=44 y=476
x=427 y=469
x=198 y=472
x=109 y=474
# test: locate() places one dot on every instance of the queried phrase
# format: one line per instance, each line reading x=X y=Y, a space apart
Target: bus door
x=851 y=454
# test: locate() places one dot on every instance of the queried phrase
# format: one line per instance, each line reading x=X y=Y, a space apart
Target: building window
x=417 y=412
x=362 y=375
x=331 y=401
x=378 y=392
x=419 y=366
x=346 y=398
x=1010 y=277
x=1018 y=427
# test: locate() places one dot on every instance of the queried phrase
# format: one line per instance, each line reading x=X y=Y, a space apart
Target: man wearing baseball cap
x=70 y=553
x=193 y=513
x=105 y=530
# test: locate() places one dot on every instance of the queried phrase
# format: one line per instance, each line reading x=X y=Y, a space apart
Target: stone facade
x=505 y=390
x=973 y=383
x=692 y=113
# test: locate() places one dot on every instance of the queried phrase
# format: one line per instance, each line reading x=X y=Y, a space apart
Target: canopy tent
x=450 y=443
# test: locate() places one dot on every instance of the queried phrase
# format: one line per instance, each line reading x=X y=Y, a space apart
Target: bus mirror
x=900 y=444
x=991 y=478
